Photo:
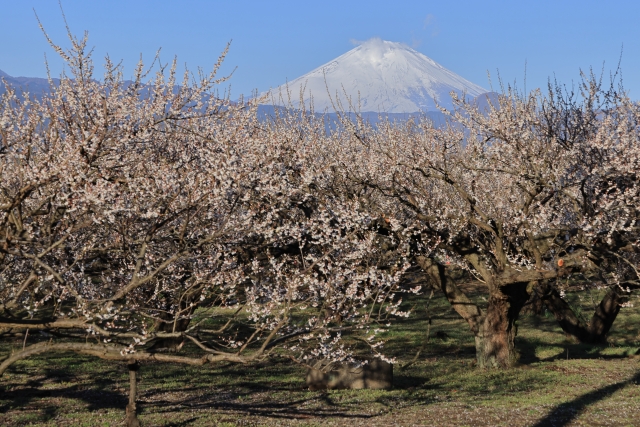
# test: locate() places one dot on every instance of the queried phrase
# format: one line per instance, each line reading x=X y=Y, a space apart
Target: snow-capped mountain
x=386 y=77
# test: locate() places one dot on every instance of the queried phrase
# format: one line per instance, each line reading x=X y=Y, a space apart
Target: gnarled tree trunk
x=499 y=328
x=494 y=330
x=596 y=331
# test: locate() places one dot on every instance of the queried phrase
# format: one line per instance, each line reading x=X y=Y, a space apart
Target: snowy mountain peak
x=386 y=76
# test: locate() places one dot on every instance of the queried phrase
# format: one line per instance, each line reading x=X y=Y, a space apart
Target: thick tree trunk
x=495 y=330
x=131 y=411
x=458 y=299
x=602 y=320
x=499 y=326
x=498 y=339
x=606 y=314
x=563 y=313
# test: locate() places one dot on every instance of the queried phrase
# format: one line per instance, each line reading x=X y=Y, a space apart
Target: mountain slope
x=35 y=86
x=388 y=77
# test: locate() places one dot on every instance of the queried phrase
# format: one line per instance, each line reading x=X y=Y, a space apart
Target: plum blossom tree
x=515 y=195
x=136 y=215
x=599 y=128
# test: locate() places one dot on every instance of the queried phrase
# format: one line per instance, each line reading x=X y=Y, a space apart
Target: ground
x=557 y=383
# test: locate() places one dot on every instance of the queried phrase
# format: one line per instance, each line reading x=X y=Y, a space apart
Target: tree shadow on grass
x=319 y=406
x=182 y=423
x=253 y=397
x=35 y=393
x=527 y=349
x=564 y=413
x=31 y=395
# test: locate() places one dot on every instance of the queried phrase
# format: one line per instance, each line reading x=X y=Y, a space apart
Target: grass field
x=557 y=383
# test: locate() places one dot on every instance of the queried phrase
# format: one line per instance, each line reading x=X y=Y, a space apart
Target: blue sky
x=275 y=41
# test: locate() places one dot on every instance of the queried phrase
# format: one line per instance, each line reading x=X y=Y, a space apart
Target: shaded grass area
x=558 y=382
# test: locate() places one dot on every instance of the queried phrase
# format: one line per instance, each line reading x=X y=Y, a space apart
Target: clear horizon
x=277 y=42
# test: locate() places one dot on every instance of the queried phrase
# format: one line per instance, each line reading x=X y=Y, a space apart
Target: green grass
x=558 y=382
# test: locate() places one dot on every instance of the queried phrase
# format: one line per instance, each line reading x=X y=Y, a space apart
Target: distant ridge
x=386 y=76
x=35 y=86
